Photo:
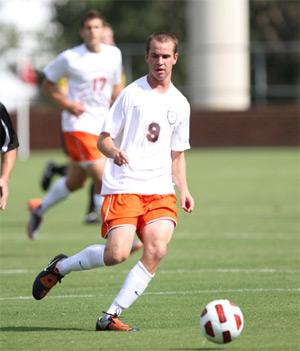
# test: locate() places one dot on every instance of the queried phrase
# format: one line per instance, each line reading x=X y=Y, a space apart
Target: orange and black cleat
x=112 y=322
x=35 y=219
x=47 y=278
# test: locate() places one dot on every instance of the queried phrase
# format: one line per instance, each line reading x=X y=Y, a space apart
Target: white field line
x=167 y=293
x=174 y=271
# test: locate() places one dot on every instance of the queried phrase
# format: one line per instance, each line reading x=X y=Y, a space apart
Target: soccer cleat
x=47 y=278
x=47 y=176
x=33 y=204
x=112 y=323
x=35 y=221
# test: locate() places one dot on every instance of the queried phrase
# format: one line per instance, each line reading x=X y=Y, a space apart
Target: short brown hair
x=162 y=37
x=91 y=14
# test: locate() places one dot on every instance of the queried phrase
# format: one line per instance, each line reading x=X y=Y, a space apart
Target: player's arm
x=107 y=146
x=7 y=164
x=52 y=89
x=117 y=88
x=179 y=178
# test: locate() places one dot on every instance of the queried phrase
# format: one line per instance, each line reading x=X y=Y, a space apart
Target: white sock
x=90 y=257
x=135 y=284
x=58 y=192
x=98 y=201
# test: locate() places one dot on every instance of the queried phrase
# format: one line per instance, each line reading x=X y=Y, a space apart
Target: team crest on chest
x=172 y=117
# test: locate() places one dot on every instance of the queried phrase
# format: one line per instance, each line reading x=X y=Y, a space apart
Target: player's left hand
x=187 y=202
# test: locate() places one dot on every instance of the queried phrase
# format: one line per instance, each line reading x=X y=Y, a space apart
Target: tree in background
x=132 y=20
x=274 y=26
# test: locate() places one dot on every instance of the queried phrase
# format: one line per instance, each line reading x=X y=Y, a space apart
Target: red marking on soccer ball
x=238 y=321
x=203 y=312
x=220 y=313
x=226 y=336
x=209 y=329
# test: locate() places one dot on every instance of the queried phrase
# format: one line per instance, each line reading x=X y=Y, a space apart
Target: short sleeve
x=117 y=77
x=57 y=68
x=181 y=134
x=115 y=119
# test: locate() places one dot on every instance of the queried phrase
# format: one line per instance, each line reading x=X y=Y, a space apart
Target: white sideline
x=187 y=292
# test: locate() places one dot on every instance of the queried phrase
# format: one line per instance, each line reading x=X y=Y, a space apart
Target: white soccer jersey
x=146 y=125
x=91 y=77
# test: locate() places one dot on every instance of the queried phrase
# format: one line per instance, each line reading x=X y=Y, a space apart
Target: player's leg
x=95 y=172
x=155 y=226
x=59 y=191
x=156 y=237
x=116 y=250
x=137 y=245
x=50 y=171
x=91 y=216
x=77 y=147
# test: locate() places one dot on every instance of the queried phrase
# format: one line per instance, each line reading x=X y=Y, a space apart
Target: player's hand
x=75 y=108
x=120 y=158
x=187 y=202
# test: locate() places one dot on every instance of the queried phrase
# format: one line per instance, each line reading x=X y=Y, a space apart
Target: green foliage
x=241 y=243
x=133 y=21
x=275 y=26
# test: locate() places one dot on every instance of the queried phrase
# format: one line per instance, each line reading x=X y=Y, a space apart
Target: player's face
x=107 y=36
x=161 y=58
x=91 y=33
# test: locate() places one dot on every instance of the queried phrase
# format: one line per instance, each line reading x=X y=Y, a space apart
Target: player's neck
x=157 y=85
x=93 y=47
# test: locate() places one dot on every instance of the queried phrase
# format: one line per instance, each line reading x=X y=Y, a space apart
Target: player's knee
x=74 y=186
x=114 y=257
x=157 y=253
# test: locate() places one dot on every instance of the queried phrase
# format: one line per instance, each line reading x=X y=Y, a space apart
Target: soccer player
x=9 y=144
x=144 y=139
x=93 y=71
x=52 y=168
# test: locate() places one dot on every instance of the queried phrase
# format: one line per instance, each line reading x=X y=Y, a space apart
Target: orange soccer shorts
x=136 y=210
x=81 y=146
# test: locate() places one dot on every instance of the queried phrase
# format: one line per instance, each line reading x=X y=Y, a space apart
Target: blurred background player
x=93 y=71
x=9 y=144
x=52 y=168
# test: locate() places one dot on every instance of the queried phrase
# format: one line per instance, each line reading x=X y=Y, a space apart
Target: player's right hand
x=75 y=108
x=120 y=158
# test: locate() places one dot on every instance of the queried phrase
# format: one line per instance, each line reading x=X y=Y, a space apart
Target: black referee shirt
x=8 y=137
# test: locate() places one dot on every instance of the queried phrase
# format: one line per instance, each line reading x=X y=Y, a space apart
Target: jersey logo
x=172 y=117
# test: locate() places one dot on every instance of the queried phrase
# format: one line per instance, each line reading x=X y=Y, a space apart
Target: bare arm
x=116 y=91
x=7 y=164
x=51 y=89
x=108 y=148
x=179 y=178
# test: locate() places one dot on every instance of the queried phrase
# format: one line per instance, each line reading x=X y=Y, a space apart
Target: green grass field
x=240 y=243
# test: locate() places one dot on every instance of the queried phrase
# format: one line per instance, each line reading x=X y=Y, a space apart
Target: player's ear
x=176 y=55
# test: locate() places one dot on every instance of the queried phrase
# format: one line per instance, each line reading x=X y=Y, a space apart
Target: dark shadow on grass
x=39 y=329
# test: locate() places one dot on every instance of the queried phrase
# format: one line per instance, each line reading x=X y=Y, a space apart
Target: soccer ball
x=221 y=321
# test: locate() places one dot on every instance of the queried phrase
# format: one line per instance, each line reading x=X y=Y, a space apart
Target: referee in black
x=8 y=144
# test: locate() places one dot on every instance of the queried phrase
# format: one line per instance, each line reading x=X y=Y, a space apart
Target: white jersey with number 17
x=147 y=125
x=91 y=77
